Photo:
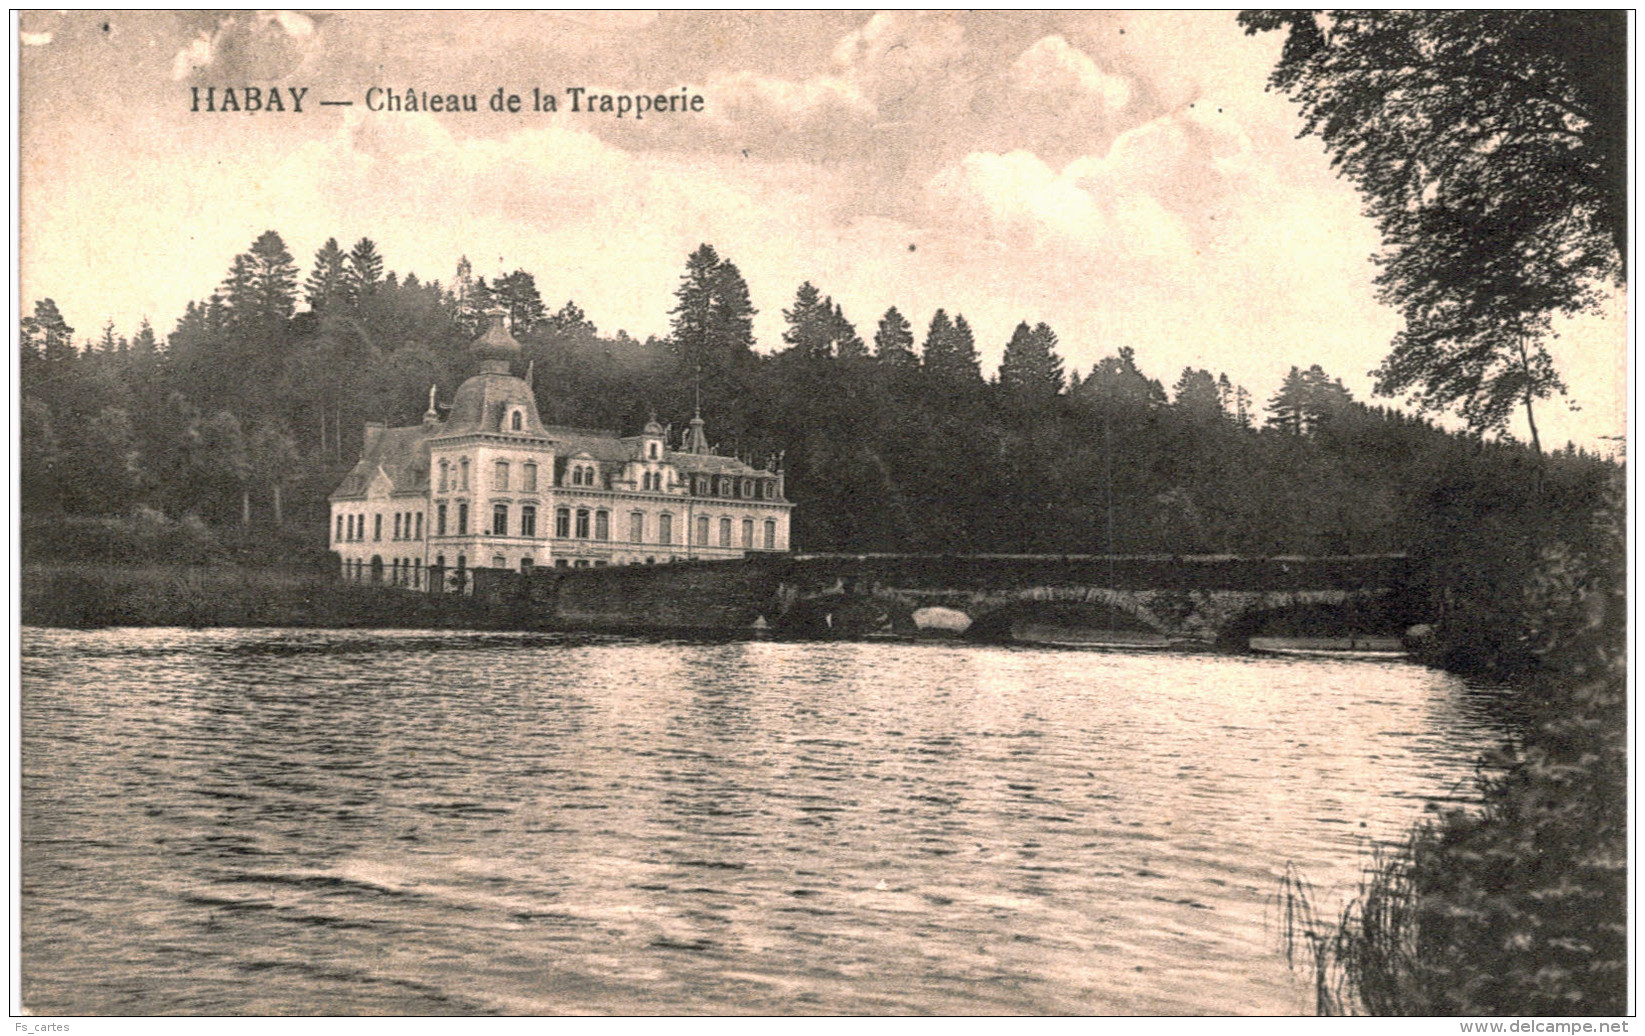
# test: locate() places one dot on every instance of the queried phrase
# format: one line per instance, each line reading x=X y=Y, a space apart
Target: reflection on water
x=318 y=822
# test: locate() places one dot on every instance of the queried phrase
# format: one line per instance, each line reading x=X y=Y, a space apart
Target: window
x=462 y=480
x=498 y=561
x=748 y=487
x=636 y=527
x=766 y=486
x=748 y=533
x=725 y=532
x=440 y=521
x=338 y=538
x=562 y=522
x=377 y=528
x=445 y=472
x=499 y=521
x=665 y=528
x=462 y=519
x=602 y=525
x=561 y=563
x=499 y=479
x=417 y=573
x=582 y=523
x=528 y=520
x=528 y=478
x=653 y=453
x=702 y=530
x=770 y=534
x=517 y=421
x=419 y=526
x=396 y=524
x=725 y=486
x=526 y=565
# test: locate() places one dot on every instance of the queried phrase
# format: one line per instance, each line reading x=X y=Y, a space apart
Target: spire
x=695 y=440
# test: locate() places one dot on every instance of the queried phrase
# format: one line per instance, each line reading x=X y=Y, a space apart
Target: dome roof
x=496 y=343
x=483 y=402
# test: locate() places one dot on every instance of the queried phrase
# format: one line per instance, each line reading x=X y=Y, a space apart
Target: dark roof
x=401 y=454
x=481 y=402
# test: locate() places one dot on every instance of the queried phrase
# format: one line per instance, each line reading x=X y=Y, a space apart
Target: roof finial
x=431 y=414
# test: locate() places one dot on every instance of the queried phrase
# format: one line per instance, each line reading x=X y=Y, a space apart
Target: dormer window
x=516 y=421
x=651 y=450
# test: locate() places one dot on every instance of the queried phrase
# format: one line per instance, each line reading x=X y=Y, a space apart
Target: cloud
x=264 y=46
x=1053 y=66
x=34 y=39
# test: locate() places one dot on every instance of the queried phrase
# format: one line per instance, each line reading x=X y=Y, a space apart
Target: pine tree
x=692 y=315
x=810 y=329
x=365 y=269
x=517 y=294
x=951 y=352
x=731 y=315
x=848 y=345
x=273 y=278
x=1196 y=395
x=894 y=341
x=326 y=286
x=1031 y=368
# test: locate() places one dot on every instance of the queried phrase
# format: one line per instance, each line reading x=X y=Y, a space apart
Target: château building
x=490 y=485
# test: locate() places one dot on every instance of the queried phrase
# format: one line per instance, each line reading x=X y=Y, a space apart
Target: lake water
x=327 y=822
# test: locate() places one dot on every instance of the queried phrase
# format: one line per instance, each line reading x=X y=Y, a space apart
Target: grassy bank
x=1517 y=906
x=90 y=596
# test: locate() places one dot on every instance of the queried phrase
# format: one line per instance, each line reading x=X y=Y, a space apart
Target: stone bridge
x=1142 y=599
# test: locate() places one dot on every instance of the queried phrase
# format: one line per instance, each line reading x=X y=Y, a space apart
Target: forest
x=252 y=407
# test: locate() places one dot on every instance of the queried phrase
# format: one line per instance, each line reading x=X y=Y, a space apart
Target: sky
x=1123 y=177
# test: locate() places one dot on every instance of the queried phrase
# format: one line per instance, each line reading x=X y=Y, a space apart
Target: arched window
x=748 y=487
x=462 y=519
x=582 y=523
x=440 y=520
x=517 y=422
x=602 y=525
x=725 y=487
x=499 y=520
x=562 y=522
x=766 y=486
x=653 y=453
x=528 y=520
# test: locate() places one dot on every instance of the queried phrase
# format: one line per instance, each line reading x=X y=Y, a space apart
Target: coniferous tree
x=808 y=323
x=273 y=279
x=848 y=345
x=326 y=286
x=365 y=269
x=894 y=341
x=1196 y=395
x=1031 y=370
x=731 y=315
x=517 y=294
